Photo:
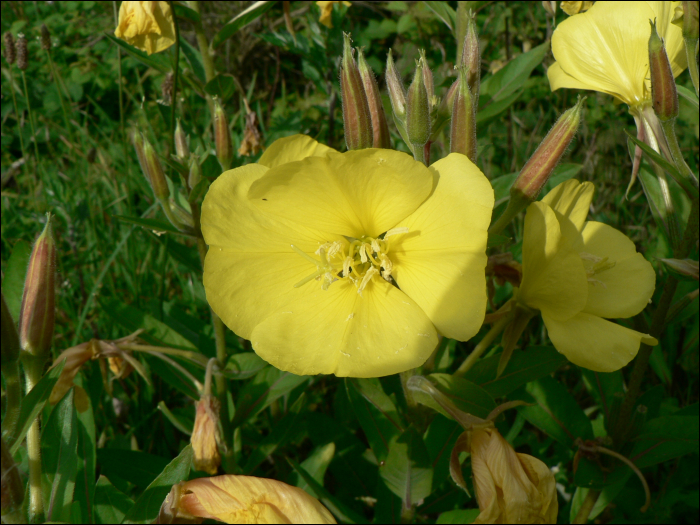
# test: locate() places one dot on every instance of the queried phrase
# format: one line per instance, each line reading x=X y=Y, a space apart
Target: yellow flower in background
x=327 y=11
x=347 y=263
x=574 y=8
x=577 y=273
x=148 y=26
x=241 y=499
x=510 y=487
x=606 y=49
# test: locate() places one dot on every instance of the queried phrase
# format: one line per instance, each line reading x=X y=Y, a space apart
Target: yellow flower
x=327 y=10
x=347 y=263
x=576 y=273
x=510 y=487
x=148 y=26
x=574 y=8
x=241 y=499
x=606 y=49
x=205 y=435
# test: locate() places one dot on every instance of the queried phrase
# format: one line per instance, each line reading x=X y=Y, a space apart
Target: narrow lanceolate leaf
x=408 y=471
x=380 y=129
x=356 y=114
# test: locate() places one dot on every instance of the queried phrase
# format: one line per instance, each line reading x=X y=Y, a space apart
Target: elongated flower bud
x=397 y=93
x=222 y=136
x=10 y=340
x=22 y=55
x=690 y=20
x=356 y=113
x=471 y=58
x=463 y=125
x=380 y=129
x=12 y=487
x=10 y=51
x=38 y=310
x=45 y=38
x=427 y=77
x=663 y=85
x=205 y=435
x=182 y=146
x=418 y=109
x=195 y=174
x=154 y=172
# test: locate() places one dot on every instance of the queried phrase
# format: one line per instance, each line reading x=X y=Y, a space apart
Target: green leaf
x=222 y=86
x=333 y=504
x=111 y=505
x=376 y=413
x=688 y=95
x=445 y=13
x=85 y=478
x=556 y=413
x=524 y=366
x=183 y=254
x=133 y=466
x=33 y=403
x=497 y=240
x=185 y=12
x=467 y=396
x=665 y=438
x=440 y=438
x=281 y=432
x=267 y=386
x=156 y=226
x=458 y=516
x=239 y=21
x=408 y=470
x=488 y=113
x=156 y=60
x=591 y=474
x=511 y=77
x=316 y=465
x=59 y=447
x=149 y=503
x=501 y=187
x=244 y=365
x=13 y=280
x=194 y=58
x=607 y=495
x=561 y=173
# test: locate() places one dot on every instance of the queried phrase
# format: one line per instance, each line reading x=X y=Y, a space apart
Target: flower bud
x=471 y=58
x=427 y=77
x=205 y=435
x=22 y=55
x=356 y=114
x=45 y=38
x=663 y=85
x=222 y=137
x=182 y=216
x=10 y=340
x=154 y=171
x=418 y=109
x=397 y=93
x=195 y=174
x=10 y=51
x=241 y=499
x=690 y=20
x=463 y=124
x=12 y=488
x=380 y=129
x=550 y=6
x=182 y=145
x=38 y=310
x=684 y=267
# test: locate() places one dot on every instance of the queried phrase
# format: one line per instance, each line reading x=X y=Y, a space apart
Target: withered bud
x=10 y=339
x=418 y=108
x=550 y=6
x=222 y=136
x=684 y=267
x=45 y=38
x=205 y=435
x=252 y=140
x=538 y=169
x=38 y=310
x=690 y=20
x=22 y=55
x=10 y=51
x=75 y=357
x=380 y=129
x=471 y=58
x=397 y=93
x=195 y=174
x=663 y=85
x=182 y=144
x=356 y=115
x=463 y=124
x=166 y=89
x=154 y=172
x=12 y=487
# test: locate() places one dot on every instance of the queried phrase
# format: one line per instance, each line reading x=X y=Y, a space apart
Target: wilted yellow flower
x=510 y=487
x=327 y=10
x=573 y=8
x=148 y=26
x=205 y=434
x=242 y=499
x=75 y=358
x=606 y=49
x=578 y=272
x=347 y=263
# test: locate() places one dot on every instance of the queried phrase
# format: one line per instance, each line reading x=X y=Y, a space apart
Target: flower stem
x=207 y=61
x=54 y=74
x=176 y=67
x=689 y=181
x=14 y=101
x=33 y=368
x=690 y=44
x=587 y=506
x=31 y=116
x=419 y=153
x=496 y=329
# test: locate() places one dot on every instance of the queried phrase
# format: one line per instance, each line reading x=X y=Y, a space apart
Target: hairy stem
x=33 y=368
x=587 y=506
x=496 y=329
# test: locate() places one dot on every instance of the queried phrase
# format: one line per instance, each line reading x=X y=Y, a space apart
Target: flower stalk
x=357 y=118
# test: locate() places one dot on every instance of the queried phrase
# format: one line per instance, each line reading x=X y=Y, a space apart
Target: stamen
x=367 y=278
x=396 y=231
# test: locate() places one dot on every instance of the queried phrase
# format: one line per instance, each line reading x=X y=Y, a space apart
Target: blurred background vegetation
x=116 y=277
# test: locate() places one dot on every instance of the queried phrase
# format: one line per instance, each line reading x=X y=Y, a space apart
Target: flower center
x=595 y=265
x=358 y=260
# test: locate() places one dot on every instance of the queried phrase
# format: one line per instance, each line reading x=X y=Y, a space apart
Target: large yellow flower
x=606 y=49
x=148 y=26
x=347 y=263
x=576 y=273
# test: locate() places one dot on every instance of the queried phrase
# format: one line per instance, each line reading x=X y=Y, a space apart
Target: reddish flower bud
x=663 y=85
x=471 y=58
x=397 y=93
x=222 y=137
x=154 y=171
x=463 y=125
x=38 y=310
x=356 y=114
x=418 y=109
x=380 y=129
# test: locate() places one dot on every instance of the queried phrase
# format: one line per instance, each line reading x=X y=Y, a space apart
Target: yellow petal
x=605 y=48
x=292 y=149
x=543 y=478
x=250 y=269
x=625 y=289
x=148 y=26
x=338 y=331
x=554 y=279
x=594 y=343
x=357 y=193
x=440 y=262
x=572 y=199
x=247 y=499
